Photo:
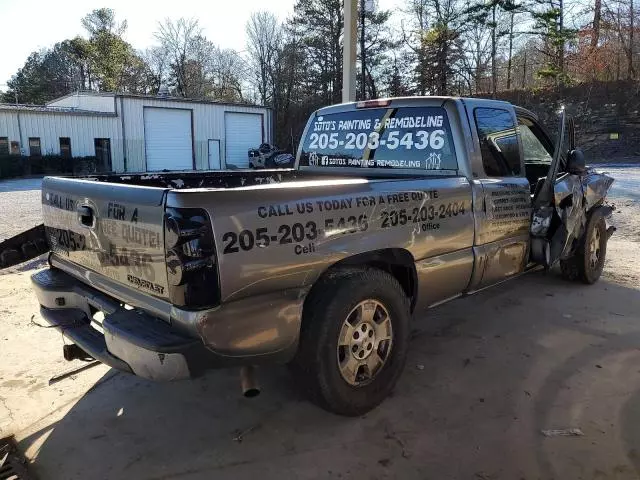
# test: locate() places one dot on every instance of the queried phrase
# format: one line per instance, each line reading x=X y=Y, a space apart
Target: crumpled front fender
x=574 y=197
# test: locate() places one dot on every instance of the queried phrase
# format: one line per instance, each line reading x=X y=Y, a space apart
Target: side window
x=533 y=149
x=498 y=142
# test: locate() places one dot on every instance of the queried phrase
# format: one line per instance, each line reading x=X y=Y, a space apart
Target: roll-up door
x=167 y=139
x=242 y=132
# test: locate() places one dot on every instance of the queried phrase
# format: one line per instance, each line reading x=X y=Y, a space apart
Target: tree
x=597 y=15
x=318 y=26
x=103 y=20
x=227 y=70
x=180 y=41
x=264 y=37
x=397 y=83
x=476 y=59
x=436 y=42
x=46 y=74
x=490 y=13
x=549 y=25
x=377 y=43
x=109 y=54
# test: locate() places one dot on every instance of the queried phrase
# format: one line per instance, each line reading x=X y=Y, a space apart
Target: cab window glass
x=402 y=138
x=534 y=151
x=498 y=142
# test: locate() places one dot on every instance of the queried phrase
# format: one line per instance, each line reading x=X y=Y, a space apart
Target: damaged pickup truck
x=394 y=206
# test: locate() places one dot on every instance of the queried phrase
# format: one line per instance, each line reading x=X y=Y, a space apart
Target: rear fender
x=396 y=261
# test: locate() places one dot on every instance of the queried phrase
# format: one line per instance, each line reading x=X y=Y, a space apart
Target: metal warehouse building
x=137 y=133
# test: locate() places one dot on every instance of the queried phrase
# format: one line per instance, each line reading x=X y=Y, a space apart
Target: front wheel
x=354 y=340
x=588 y=261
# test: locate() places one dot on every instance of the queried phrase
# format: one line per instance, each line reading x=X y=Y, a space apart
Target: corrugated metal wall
x=49 y=127
x=208 y=124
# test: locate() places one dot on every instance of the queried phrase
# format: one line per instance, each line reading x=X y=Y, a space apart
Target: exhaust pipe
x=250 y=387
x=74 y=352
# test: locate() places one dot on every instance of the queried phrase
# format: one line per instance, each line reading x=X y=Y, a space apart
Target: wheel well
x=396 y=261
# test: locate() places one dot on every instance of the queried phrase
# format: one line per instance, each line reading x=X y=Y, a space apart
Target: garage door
x=242 y=132
x=167 y=139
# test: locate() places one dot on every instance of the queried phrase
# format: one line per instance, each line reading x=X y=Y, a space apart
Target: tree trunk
x=617 y=49
x=630 y=71
x=363 y=82
x=561 y=47
x=524 y=71
x=595 y=36
x=510 y=51
x=372 y=86
x=444 y=66
x=494 y=71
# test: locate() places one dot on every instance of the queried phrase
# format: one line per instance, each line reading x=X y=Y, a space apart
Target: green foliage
x=103 y=62
x=440 y=49
x=317 y=26
x=549 y=25
x=378 y=43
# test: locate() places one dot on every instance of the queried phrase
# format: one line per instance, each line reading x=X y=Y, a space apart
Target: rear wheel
x=588 y=261
x=354 y=340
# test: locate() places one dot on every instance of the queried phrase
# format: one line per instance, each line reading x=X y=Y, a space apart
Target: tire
x=339 y=306
x=588 y=262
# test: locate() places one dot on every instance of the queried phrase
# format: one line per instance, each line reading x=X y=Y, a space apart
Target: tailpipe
x=74 y=352
x=250 y=387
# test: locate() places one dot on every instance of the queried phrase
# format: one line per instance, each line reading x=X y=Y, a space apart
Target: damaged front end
x=563 y=204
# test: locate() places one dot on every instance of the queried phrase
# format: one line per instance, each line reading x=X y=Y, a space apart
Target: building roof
x=49 y=109
x=156 y=97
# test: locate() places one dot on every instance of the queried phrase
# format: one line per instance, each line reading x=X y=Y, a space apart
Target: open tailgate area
x=113 y=229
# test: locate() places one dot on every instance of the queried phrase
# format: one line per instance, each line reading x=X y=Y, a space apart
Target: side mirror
x=576 y=164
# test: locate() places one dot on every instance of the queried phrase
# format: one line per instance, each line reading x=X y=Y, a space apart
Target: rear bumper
x=130 y=340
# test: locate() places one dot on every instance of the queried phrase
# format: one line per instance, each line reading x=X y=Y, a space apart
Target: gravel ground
x=485 y=375
x=20 y=207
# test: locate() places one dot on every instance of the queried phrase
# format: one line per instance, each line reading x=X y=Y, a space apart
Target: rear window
x=415 y=138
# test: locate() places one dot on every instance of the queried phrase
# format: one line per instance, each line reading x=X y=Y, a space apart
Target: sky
x=223 y=22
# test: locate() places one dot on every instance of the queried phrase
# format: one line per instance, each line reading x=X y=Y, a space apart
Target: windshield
x=416 y=138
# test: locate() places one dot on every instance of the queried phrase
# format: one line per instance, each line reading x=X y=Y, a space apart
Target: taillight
x=373 y=103
x=191 y=258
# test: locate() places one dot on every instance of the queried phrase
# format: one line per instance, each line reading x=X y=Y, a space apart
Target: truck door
x=502 y=194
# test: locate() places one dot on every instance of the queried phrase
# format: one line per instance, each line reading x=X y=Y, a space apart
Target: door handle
x=85 y=215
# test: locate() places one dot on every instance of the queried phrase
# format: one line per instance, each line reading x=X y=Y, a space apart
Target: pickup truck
x=394 y=206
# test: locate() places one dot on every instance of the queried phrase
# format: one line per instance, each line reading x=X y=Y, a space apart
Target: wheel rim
x=365 y=342
x=594 y=248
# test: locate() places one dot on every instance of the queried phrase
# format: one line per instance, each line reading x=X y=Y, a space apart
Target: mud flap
x=24 y=246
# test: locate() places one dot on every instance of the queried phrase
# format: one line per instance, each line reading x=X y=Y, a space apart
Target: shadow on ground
x=538 y=353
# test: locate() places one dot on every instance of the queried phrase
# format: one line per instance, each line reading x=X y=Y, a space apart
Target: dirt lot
x=485 y=375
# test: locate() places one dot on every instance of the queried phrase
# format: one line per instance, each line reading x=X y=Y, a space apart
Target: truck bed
x=210 y=179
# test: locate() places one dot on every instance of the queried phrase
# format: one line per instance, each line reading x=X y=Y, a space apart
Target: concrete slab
x=537 y=353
